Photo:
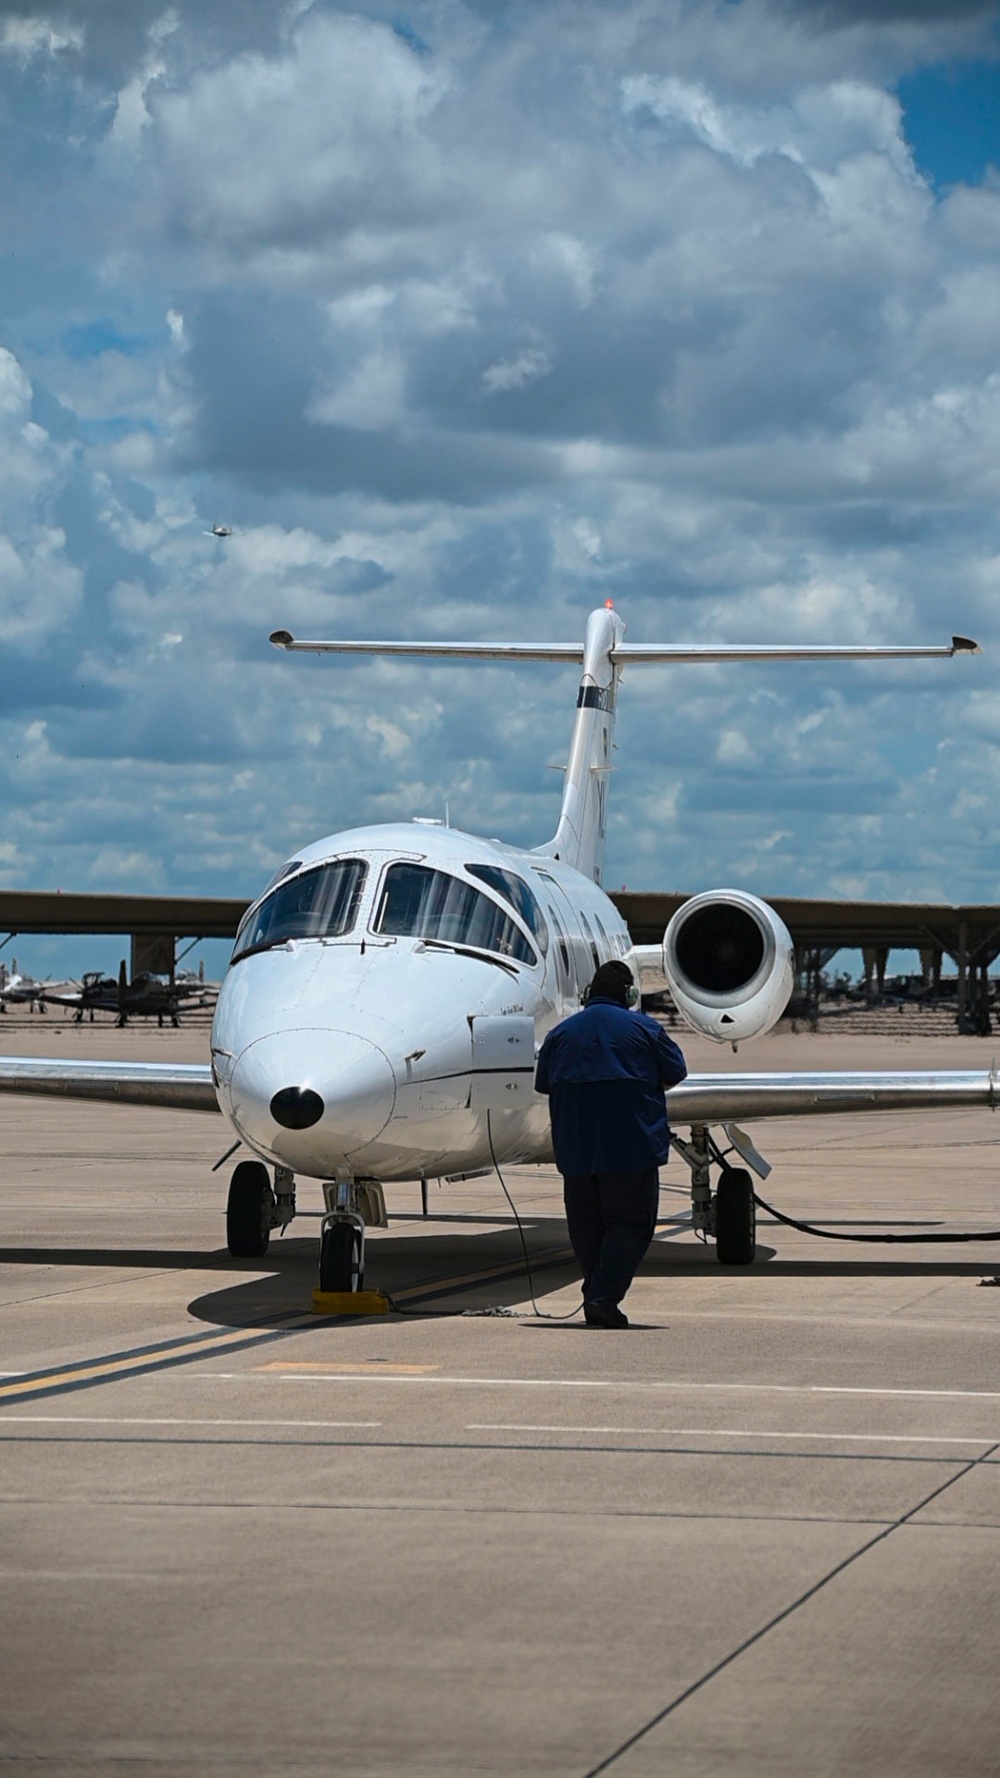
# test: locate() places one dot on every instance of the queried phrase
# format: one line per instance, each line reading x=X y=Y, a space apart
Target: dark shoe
x=604 y=1315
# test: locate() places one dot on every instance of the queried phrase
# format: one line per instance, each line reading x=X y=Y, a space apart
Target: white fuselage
x=389 y=1027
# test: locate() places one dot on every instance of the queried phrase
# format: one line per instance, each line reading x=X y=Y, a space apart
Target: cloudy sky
x=468 y=315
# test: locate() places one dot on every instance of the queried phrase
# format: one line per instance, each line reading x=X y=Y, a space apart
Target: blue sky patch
x=417 y=312
x=90 y=338
x=952 y=120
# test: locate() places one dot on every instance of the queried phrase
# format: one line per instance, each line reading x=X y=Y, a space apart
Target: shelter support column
x=962 y=964
x=153 y=953
x=876 y=957
x=930 y=968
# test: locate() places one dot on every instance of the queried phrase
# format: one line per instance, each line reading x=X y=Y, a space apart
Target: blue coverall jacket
x=605 y=1070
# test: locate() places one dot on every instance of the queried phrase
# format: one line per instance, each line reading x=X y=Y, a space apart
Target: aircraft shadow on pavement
x=666 y=1259
x=157 y=1259
x=443 y=1260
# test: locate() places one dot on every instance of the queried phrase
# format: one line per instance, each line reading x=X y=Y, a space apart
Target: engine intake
x=729 y=963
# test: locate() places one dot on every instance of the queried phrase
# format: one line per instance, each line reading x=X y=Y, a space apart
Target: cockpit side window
x=280 y=875
x=516 y=891
x=417 y=902
x=320 y=903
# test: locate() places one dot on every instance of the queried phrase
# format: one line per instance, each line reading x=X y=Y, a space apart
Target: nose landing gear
x=351 y=1206
x=342 y=1256
x=253 y=1209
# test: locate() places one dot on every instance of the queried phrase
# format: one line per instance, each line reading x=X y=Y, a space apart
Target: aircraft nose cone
x=343 y=1095
x=297 y=1108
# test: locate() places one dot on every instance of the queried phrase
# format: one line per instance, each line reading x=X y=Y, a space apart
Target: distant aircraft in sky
x=389 y=988
x=219 y=531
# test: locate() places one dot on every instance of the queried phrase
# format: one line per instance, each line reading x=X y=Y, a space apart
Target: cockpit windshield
x=321 y=903
x=417 y=902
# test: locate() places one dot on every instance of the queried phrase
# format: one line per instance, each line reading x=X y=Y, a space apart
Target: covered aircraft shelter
x=969 y=936
x=154 y=923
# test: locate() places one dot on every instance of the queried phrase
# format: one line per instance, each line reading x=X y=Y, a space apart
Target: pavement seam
x=469 y=1445
x=780 y=1617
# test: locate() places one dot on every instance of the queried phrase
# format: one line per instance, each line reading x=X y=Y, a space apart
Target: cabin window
x=320 y=903
x=417 y=902
x=562 y=952
x=514 y=890
x=590 y=940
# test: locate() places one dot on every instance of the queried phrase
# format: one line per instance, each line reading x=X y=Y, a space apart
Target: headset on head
x=631 y=992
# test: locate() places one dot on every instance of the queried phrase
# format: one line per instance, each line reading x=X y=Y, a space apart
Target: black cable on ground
x=809 y=1228
x=542 y=1316
x=401 y=1308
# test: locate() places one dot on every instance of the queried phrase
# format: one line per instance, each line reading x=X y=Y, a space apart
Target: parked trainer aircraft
x=146 y=996
x=23 y=990
x=389 y=988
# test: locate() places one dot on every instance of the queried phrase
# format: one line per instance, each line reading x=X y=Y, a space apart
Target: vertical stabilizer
x=580 y=835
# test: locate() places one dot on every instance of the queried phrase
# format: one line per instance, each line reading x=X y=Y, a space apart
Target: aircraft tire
x=735 y=1218
x=340 y=1263
x=248 y=1210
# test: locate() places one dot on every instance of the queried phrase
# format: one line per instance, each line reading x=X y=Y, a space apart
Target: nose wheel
x=249 y=1210
x=341 y=1256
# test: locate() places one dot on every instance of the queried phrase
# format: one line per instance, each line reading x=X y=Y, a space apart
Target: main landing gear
x=253 y=1209
x=730 y=1215
x=735 y=1218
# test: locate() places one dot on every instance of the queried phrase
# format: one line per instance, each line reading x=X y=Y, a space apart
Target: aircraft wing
x=722 y=1098
x=177 y=1086
x=701 y=1098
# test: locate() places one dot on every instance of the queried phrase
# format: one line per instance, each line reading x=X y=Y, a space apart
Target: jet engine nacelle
x=730 y=964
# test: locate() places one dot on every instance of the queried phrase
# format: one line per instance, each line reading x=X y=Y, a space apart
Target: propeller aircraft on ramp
x=146 y=996
x=389 y=988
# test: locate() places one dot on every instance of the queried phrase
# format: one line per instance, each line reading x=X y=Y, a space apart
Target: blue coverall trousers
x=611 y=1219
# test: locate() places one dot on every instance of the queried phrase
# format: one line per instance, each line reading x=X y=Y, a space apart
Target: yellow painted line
x=451 y=1281
x=125 y=1363
x=548 y=1256
x=366 y=1367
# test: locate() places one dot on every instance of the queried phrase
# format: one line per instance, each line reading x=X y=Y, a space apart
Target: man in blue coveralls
x=605 y=1070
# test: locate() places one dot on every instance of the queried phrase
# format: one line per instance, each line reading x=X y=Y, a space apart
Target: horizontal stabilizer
x=631 y=654
x=471 y=651
x=636 y=653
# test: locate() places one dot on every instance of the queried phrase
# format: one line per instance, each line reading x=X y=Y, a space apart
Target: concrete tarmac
x=755 y=1534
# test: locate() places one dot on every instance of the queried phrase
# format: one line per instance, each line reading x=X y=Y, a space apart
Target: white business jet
x=389 y=989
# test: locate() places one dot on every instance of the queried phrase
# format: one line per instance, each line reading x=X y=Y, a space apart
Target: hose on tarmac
x=810 y=1228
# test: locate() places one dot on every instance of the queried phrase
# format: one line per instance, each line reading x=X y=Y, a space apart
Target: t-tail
x=583 y=819
x=580 y=834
